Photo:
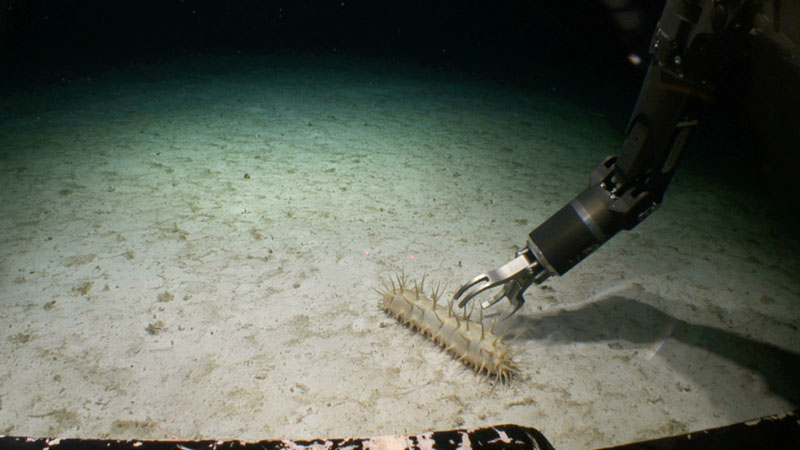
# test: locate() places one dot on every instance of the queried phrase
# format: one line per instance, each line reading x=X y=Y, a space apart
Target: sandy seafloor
x=191 y=250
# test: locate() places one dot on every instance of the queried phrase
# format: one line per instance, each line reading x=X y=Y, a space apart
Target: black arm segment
x=687 y=45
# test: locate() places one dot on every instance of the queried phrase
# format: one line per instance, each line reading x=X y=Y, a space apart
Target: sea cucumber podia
x=470 y=341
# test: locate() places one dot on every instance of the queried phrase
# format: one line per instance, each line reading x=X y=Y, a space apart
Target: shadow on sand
x=618 y=317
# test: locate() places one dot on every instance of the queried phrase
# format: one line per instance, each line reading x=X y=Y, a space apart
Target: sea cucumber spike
x=436 y=313
x=514 y=371
x=502 y=355
x=437 y=291
x=513 y=339
x=392 y=281
x=491 y=329
x=416 y=290
x=422 y=284
x=389 y=300
x=480 y=321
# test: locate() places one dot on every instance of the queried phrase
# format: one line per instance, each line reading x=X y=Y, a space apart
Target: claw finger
x=479 y=279
x=474 y=293
x=517 y=306
x=493 y=301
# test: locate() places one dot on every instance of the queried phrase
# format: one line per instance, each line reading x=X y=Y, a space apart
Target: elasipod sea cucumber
x=468 y=340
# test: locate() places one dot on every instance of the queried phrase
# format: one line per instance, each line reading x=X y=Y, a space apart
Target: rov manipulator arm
x=688 y=43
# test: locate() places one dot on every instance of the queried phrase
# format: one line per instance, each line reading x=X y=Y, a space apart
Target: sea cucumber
x=470 y=341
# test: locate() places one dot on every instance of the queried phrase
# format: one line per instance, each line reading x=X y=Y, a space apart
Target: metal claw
x=515 y=276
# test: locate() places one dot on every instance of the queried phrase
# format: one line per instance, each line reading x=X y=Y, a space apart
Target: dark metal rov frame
x=773 y=432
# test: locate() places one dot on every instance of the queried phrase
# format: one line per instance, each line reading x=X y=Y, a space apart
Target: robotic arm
x=623 y=190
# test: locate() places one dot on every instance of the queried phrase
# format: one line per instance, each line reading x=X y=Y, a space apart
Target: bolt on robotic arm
x=623 y=190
